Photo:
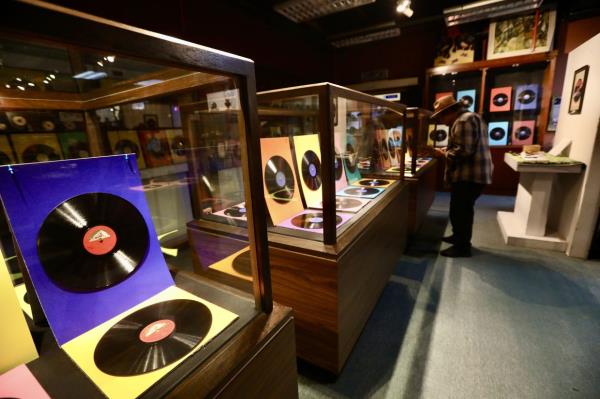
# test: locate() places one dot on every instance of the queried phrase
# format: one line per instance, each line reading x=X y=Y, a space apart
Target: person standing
x=468 y=169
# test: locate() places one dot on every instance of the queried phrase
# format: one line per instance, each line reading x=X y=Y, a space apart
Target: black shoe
x=456 y=252
x=448 y=239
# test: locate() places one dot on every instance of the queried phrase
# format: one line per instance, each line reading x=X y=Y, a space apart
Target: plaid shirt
x=468 y=156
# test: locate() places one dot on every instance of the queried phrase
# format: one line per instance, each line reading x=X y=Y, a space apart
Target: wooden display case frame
x=333 y=282
x=266 y=335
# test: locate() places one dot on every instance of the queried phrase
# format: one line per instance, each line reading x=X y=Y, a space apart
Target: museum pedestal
x=527 y=225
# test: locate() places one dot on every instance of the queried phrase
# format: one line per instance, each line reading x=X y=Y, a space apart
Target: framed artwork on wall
x=578 y=90
x=521 y=35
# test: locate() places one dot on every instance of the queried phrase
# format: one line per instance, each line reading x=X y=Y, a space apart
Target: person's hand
x=440 y=152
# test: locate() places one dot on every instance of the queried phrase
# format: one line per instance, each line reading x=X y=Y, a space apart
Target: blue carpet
x=506 y=323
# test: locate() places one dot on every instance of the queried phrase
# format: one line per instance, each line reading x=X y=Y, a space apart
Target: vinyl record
x=19 y=120
x=373 y=182
x=467 y=100
x=152 y=337
x=438 y=135
x=311 y=170
x=313 y=220
x=39 y=153
x=236 y=212
x=241 y=264
x=351 y=158
x=279 y=180
x=523 y=133
x=339 y=168
x=347 y=203
x=497 y=133
x=179 y=145
x=4 y=159
x=392 y=147
x=384 y=150
x=526 y=96
x=500 y=99
x=48 y=126
x=126 y=146
x=360 y=191
x=92 y=241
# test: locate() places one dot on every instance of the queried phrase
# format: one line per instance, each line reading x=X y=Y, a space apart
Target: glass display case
x=108 y=155
x=319 y=144
x=418 y=149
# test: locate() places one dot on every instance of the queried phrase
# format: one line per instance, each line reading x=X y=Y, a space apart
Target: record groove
x=152 y=337
x=279 y=180
x=311 y=170
x=92 y=241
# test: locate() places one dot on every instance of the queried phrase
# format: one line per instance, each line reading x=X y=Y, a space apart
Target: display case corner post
x=257 y=234
x=326 y=94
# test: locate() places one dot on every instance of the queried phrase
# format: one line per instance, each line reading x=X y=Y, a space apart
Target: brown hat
x=444 y=104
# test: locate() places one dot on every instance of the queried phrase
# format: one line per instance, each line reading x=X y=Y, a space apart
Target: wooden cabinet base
x=334 y=288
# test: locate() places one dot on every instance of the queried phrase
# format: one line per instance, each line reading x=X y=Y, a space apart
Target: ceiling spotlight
x=52 y=76
x=403 y=7
x=110 y=58
x=46 y=82
x=21 y=88
x=100 y=63
x=7 y=86
x=31 y=84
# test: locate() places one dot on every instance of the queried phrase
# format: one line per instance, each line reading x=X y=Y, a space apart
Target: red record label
x=99 y=240
x=157 y=331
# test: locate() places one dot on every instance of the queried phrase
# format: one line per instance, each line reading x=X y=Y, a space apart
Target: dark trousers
x=462 y=203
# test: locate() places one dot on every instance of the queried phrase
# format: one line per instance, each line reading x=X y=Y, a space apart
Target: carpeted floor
x=506 y=323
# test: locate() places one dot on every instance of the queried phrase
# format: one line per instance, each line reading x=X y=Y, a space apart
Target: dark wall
x=284 y=53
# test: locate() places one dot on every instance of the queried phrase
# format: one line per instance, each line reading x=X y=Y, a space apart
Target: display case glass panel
x=360 y=134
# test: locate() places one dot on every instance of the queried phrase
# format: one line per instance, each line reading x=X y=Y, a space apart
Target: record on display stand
x=235 y=212
x=438 y=135
x=500 y=99
x=526 y=97
x=360 y=192
x=311 y=170
x=312 y=220
x=152 y=337
x=279 y=180
x=468 y=98
x=92 y=242
x=373 y=183
x=498 y=133
x=523 y=132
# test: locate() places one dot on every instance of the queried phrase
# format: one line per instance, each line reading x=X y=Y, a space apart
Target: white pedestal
x=527 y=226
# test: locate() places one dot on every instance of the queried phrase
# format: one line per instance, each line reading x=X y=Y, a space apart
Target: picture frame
x=515 y=36
x=151 y=121
x=578 y=90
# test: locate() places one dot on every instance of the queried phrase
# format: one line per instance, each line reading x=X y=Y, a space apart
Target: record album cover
x=178 y=145
x=340 y=172
x=36 y=147
x=237 y=211
x=156 y=148
x=74 y=145
x=438 y=135
x=237 y=264
x=308 y=162
x=350 y=160
x=126 y=142
x=527 y=97
x=127 y=354
x=523 y=132
x=86 y=237
x=385 y=160
x=500 y=99
x=6 y=152
x=281 y=187
x=20 y=383
x=394 y=140
x=468 y=97
x=498 y=133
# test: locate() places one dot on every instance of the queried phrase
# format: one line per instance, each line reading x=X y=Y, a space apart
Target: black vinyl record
x=467 y=100
x=500 y=99
x=347 y=203
x=279 y=180
x=179 y=146
x=338 y=166
x=236 y=212
x=241 y=264
x=526 y=96
x=351 y=160
x=152 y=337
x=523 y=133
x=92 y=241
x=311 y=170
x=438 y=135
x=497 y=133
x=39 y=153
x=312 y=220
x=4 y=159
x=360 y=191
x=384 y=150
x=373 y=182
x=126 y=146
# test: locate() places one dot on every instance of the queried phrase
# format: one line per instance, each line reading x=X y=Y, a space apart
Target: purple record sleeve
x=30 y=192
